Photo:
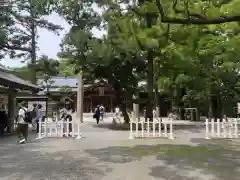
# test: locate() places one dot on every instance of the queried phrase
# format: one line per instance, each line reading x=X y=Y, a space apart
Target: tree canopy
x=187 y=50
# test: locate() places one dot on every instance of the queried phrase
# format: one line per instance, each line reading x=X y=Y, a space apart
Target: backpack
x=28 y=116
x=34 y=113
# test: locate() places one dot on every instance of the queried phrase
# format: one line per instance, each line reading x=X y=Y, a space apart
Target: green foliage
x=47 y=68
x=65 y=90
x=23 y=72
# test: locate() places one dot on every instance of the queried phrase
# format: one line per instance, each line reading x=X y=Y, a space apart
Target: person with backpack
x=23 y=119
x=97 y=114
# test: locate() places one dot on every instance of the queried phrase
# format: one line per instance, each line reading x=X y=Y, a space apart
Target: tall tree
x=47 y=68
x=28 y=16
x=198 y=12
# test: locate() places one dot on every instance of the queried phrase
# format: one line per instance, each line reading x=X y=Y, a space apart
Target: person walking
x=22 y=123
x=97 y=114
x=68 y=117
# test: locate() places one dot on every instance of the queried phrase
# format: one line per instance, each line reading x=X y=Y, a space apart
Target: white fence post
x=154 y=128
x=212 y=127
x=57 y=125
x=137 y=133
x=73 y=128
x=207 y=129
x=39 y=129
x=236 y=128
x=142 y=130
x=131 y=130
x=229 y=124
x=218 y=128
x=45 y=128
x=159 y=128
x=148 y=127
x=50 y=128
x=224 y=125
x=165 y=129
x=62 y=127
x=171 y=129
x=79 y=131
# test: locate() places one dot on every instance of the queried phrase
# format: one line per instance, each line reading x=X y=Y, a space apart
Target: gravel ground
x=109 y=155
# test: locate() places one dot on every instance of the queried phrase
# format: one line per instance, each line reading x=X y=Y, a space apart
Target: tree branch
x=194 y=18
x=15 y=47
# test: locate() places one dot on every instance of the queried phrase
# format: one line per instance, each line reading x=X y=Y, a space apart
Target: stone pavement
x=103 y=154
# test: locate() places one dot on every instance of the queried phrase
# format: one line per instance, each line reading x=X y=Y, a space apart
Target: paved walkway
x=108 y=155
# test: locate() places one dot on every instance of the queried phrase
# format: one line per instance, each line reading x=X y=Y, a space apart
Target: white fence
x=59 y=129
x=151 y=129
x=228 y=128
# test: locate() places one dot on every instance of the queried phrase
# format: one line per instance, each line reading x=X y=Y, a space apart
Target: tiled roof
x=8 y=79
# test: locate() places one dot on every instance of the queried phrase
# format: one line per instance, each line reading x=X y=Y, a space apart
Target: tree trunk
x=120 y=103
x=150 y=83
x=210 y=108
x=33 y=48
x=157 y=101
x=124 y=113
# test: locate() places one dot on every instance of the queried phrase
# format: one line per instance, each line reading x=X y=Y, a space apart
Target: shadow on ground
x=176 y=162
x=29 y=163
x=112 y=126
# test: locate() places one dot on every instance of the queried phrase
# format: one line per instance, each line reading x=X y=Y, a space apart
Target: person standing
x=102 y=111
x=68 y=117
x=22 y=124
x=39 y=116
x=34 y=117
x=117 y=112
x=97 y=114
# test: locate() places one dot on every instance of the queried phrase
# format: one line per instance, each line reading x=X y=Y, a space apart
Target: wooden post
x=91 y=110
x=11 y=109
x=111 y=104
x=80 y=97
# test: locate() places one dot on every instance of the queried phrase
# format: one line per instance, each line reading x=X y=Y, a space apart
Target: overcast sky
x=48 y=42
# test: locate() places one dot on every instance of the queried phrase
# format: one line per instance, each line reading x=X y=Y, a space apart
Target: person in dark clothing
x=34 y=117
x=3 y=121
x=97 y=114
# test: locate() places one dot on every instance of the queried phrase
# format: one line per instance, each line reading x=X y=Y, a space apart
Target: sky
x=48 y=42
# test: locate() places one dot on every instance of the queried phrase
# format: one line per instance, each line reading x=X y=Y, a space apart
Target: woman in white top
x=22 y=128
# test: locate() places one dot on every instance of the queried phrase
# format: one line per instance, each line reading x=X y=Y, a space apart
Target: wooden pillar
x=91 y=104
x=11 y=109
x=80 y=97
x=111 y=104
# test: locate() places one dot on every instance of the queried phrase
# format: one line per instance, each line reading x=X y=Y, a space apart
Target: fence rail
x=155 y=129
x=59 y=129
x=227 y=128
